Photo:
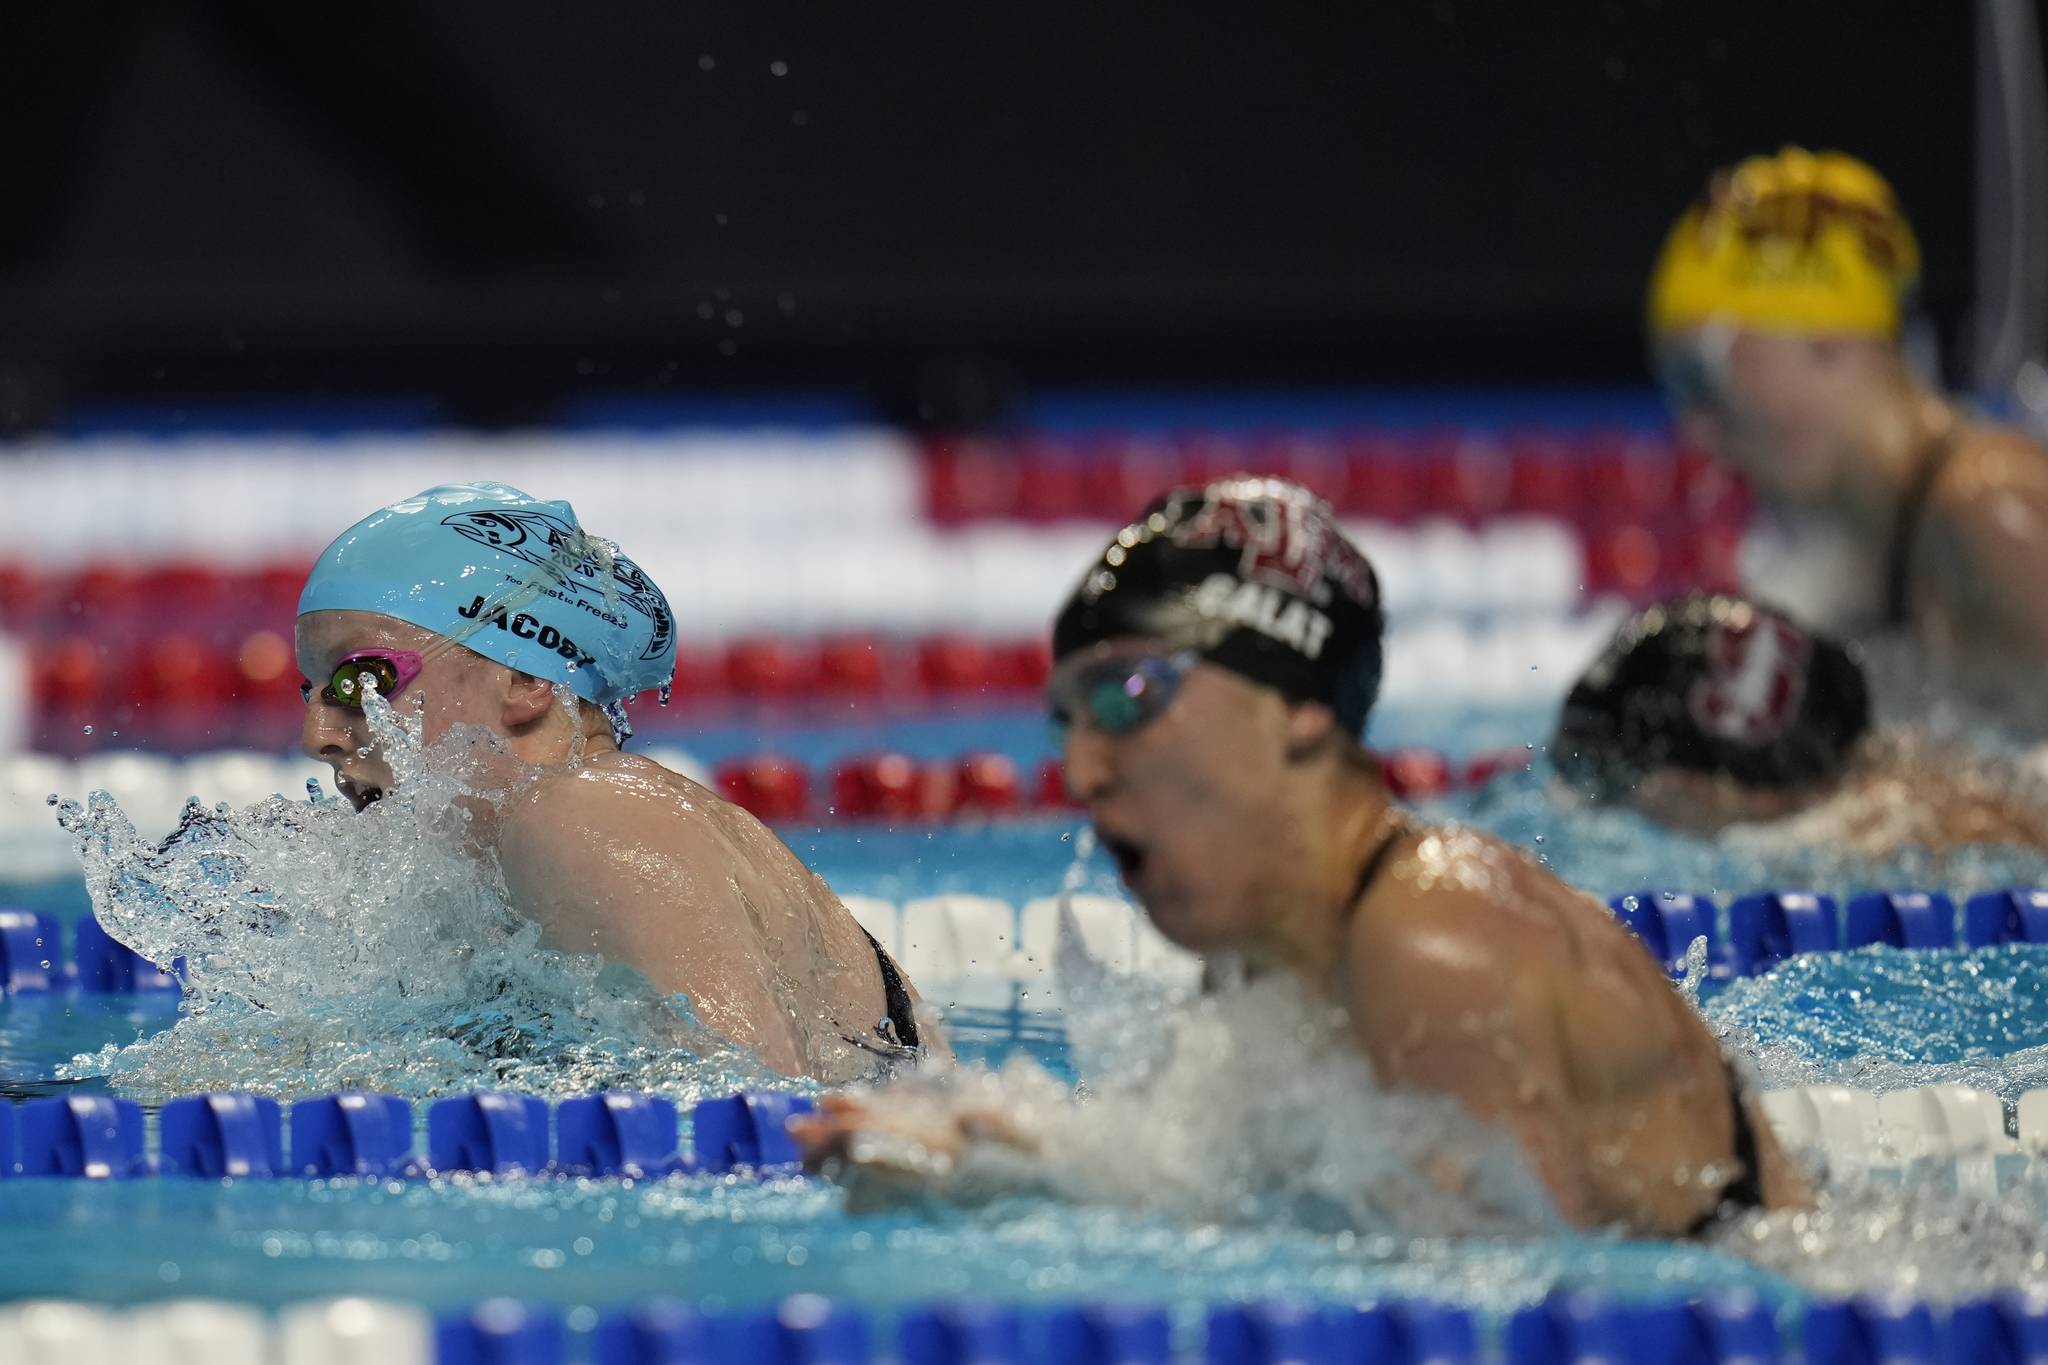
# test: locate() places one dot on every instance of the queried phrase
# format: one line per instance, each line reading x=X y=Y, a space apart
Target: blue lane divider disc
x=1108 y=1334
x=90 y=1137
x=2014 y=915
x=1902 y=919
x=747 y=1132
x=616 y=1133
x=661 y=1332
x=961 y=1334
x=500 y=1332
x=489 y=1132
x=221 y=1135
x=31 y=955
x=816 y=1331
x=352 y=1133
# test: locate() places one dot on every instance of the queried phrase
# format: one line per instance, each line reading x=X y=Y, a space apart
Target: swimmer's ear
x=1310 y=726
x=527 y=699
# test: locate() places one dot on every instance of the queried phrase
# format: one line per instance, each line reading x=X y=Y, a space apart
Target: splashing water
x=1613 y=850
x=1243 y=1104
x=328 y=949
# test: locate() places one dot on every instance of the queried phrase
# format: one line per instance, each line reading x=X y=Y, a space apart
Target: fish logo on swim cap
x=1255 y=574
x=511 y=577
x=1799 y=242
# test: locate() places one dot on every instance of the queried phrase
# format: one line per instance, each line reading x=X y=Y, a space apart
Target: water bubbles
x=88 y=729
x=331 y=950
x=664 y=692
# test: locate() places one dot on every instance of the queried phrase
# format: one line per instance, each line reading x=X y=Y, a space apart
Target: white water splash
x=328 y=949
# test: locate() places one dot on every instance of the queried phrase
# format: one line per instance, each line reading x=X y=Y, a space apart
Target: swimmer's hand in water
x=893 y=1145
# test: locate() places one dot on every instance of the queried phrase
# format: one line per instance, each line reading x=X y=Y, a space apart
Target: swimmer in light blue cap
x=478 y=605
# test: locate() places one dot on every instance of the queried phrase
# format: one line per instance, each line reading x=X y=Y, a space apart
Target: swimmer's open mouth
x=362 y=797
x=1130 y=858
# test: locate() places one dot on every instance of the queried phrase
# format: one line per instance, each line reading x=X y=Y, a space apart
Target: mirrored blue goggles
x=1120 y=694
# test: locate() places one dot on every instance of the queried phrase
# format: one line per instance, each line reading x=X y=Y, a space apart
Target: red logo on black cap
x=1756 y=678
x=1285 y=537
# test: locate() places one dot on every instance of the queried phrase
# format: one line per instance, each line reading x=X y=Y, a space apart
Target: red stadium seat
x=1051 y=487
x=192 y=597
x=1465 y=476
x=1020 y=666
x=104 y=598
x=181 y=670
x=766 y=669
x=952 y=664
x=265 y=671
x=885 y=786
x=1121 y=474
x=986 y=784
x=1710 y=491
x=850 y=666
x=699 y=677
x=1382 y=478
x=1633 y=473
x=1052 y=787
x=24 y=594
x=970 y=477
x=772 y=788
x=69 y=673
x=1206 y=456
x=1315 y=462
x=1640 y=560
x=1547 y=477
x=271 y=593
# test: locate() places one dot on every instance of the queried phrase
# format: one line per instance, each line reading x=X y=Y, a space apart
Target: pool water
x=1876 y=1018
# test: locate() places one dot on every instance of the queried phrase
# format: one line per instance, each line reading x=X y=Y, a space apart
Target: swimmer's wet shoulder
x=1980 y=554
x=1469 y=971
x=624 y=858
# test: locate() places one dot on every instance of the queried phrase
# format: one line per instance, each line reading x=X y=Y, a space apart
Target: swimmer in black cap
x=1711 y=712
x=1213 y=673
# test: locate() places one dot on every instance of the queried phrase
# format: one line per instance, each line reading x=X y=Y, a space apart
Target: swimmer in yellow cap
x=1775 y=314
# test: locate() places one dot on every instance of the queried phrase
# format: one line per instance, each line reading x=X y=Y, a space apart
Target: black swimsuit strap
x=1375 y=863
x=901 y=1018
x=1746 y=1190
x=1912 y=512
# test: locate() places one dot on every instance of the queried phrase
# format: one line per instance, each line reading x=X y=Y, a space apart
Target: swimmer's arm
x=1997 y=504
x=1439 y=1006
x=605 y=866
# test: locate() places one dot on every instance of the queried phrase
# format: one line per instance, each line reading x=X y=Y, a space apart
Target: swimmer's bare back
x=1977 y=562
x=622 y=857
x=1471 y=971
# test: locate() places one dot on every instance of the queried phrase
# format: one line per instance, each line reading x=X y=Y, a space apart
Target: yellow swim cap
x=1798 y=242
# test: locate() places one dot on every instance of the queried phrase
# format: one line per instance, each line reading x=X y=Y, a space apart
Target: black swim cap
x=1713 y=684
x=1256 y=575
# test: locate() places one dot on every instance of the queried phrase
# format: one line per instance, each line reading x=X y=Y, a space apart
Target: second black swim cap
x=1713 y=684
x=1256 y=575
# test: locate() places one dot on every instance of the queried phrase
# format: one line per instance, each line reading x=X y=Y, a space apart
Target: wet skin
x=1836 y=427
x=1242 y=823
x=614 y=854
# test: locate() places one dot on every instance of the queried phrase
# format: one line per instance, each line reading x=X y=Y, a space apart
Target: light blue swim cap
x=511 y=577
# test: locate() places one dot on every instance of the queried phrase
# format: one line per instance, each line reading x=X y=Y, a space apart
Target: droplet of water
x=88 y=729
x=662 y=695
x=1539 y=838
